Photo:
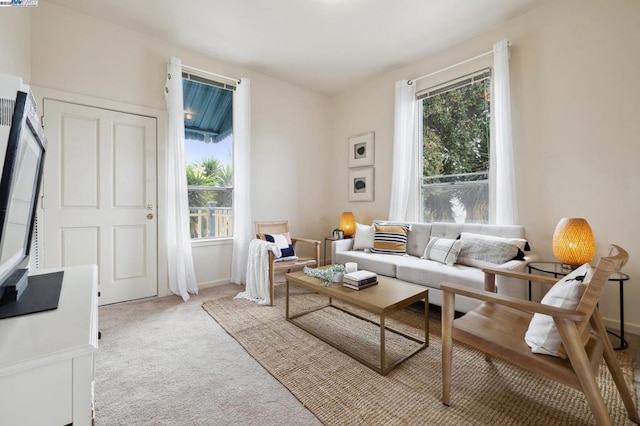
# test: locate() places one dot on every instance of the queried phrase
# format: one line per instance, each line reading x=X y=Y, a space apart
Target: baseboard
x=215 y=283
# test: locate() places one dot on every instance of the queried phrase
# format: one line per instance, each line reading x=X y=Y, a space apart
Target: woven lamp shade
x=573 y=242
x=348 y=224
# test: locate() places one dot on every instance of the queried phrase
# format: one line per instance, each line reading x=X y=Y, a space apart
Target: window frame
x=451 y=79
x=212 y=81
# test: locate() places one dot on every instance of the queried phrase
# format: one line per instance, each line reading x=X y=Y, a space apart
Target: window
x=208 y=125
x=455 y=150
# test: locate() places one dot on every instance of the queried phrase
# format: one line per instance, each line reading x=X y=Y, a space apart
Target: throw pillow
x=390 y=239
x=442 y=250
x=521 y=243
x=363 y=240
x=542 y=335
x=283 y=242
x=486 y=250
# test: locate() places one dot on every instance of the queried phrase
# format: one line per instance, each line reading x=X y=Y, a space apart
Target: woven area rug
x=339 y=390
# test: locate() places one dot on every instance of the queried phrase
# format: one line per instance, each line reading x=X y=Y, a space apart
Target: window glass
x=208 y=123
x=455 y=151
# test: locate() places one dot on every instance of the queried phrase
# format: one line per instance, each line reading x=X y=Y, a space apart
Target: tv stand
x=46 y=358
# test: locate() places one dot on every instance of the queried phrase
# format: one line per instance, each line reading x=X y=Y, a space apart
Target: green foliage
x=456 y=141
x=456 y=131
x=208 y=172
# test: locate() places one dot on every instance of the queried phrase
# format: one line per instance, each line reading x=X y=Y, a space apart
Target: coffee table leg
x=382 y=351
x=286 y=314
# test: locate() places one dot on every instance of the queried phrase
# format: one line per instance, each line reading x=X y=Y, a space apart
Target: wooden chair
x=280 y=227
x=498 y=326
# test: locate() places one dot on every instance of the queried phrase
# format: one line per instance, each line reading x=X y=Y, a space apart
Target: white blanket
x=257 y=287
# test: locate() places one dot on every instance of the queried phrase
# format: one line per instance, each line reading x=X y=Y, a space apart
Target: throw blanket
x=257 y=287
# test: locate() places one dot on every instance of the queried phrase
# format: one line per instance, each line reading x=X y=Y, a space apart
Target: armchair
x=498 y=327
x=282 y=266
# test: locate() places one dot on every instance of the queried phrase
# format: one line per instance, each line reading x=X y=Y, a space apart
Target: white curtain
x=506 y=201
x=243 y=223
x=403 y=151
x=182 y=277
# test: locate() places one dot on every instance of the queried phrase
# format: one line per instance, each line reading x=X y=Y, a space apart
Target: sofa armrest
x=340 y=245
x=511 y=285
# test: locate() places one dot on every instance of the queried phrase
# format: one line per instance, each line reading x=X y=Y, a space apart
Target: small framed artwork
x=361 y=184
x=361 y=150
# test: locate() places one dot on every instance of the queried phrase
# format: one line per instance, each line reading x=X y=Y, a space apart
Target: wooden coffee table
x=390 y=295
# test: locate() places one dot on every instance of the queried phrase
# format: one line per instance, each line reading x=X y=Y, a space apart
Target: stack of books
x=360 y=279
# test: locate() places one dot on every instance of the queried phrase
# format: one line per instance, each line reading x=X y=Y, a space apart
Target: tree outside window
x=455 y=151
x=209 y=157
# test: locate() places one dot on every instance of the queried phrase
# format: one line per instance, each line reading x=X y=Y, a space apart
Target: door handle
x=150 y=216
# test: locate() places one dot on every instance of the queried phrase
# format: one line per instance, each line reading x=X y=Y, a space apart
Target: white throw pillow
x=442 y=250
x=363 y=240
x=542 y=335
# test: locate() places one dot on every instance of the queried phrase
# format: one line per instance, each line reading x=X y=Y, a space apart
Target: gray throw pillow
x=497 y=252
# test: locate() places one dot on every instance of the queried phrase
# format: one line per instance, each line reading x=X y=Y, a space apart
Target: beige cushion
x=542 y=335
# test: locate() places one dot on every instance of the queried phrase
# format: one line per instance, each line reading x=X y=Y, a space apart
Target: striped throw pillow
x=390 y=239
x=442 y=250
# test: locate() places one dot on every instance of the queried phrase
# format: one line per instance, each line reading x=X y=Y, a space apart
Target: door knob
x=150 y=216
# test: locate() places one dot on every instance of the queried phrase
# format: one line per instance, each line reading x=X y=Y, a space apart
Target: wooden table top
x=388 y=295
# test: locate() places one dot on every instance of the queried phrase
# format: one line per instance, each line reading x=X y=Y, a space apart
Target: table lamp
x=573 y=242
x=348 y=224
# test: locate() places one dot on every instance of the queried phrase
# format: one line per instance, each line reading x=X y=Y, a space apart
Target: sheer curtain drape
x=243 y=223
x=403 y=173
x=506 y=201
x=182 y=277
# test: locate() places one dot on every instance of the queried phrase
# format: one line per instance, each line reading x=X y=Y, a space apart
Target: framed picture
x=361 y=184
x=361 y=150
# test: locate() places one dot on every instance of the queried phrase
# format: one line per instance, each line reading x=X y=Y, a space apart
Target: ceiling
x=324 y=45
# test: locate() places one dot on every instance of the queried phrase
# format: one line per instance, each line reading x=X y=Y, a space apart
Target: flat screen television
x=19 y=191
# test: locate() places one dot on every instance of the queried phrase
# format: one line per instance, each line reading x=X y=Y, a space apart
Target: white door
x=99 y=204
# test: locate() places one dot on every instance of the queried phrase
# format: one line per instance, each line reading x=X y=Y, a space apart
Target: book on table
x=358 y=279
x=360 y=287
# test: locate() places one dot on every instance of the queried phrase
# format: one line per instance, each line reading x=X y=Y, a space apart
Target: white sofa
x=414 y=269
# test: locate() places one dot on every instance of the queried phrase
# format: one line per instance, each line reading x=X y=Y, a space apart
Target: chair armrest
x=304 y=240
x=521 y=275
x=519 y=304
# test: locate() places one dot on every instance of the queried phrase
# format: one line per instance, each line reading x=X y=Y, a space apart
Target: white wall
x=78 y=54
x=576 y=98
x=15 y=42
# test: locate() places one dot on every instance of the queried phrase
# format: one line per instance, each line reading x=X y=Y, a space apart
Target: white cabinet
x=46 y=358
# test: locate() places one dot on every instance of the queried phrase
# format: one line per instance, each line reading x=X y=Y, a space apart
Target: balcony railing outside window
x=208 y=219
x=461 y=198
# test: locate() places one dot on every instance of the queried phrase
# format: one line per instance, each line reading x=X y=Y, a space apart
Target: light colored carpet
x=165 y=362
x=339 y=390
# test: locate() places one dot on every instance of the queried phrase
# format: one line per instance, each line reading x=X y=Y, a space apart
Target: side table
x=557 y=269
x=327 y=240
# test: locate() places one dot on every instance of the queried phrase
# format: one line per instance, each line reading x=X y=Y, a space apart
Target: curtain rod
x=192 y=69
x=451 y=66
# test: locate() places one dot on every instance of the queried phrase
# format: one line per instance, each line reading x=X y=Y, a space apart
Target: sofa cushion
x=431 y=273
x=521 y=243
x=390 y=239
x=381 y=264
x=453 y=230
x=418 y=238
x=283 y=242
x=442 y=250
x=363 y=240
x=542 y=335
x=486 y=250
